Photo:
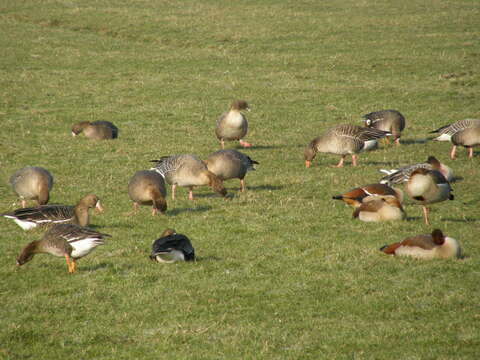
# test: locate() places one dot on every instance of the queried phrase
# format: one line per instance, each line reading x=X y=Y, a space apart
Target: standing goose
x=29 y=218
x=386 y=120
x=428 y=187
x=67 y=240
x=230 y=164
x=147 y=187
x=97 y=130
x=343 y=140
x=233 y=125
x=397 y=176
x=431 y=246
x=379 y=208
x=188 y=171
x=355 y=196
x=32 y=183
x=461 y=133
x=171 y=247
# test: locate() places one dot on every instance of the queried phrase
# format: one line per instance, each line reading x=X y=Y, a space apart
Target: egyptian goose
x=343 y=140
x=379 y=208
x=29 y=218
x=461 y=133
x=428 y=187
x=434 y=246
x=32 y=183
x=97 y=130
x=171 y=247
x=188 y=171
x=233 y=125
x=230 y=164
x=355 y=196
x=147 y=187
x=397 y=176
x=67 y=240
x=386 y=120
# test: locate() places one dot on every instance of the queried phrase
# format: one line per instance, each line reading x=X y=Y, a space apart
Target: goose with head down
x=147 y=187
x=32 y=183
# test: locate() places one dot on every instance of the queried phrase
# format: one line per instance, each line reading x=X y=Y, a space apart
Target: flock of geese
x=68 y=234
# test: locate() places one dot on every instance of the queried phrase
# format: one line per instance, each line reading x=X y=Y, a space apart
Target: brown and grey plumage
x=428 y=187
x=187 y=170
x=97 y=130
x=171 y=247
x=32 y=183
x=28 y=218
x=147 y=187
x=461 y=133
x=230 y=164
x=397 y=176
x=355 y=196
x=342 y=140
x=233 y=125
x=64 y=240
x=387 y=120
x=379 y=208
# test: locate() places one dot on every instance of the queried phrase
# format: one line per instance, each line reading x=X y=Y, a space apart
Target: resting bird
x=171 y=247
x=29 y=218
x=147 y=187
x=431 y=246
x=97 y=130
x=67 y=240
x=233 y=125
x=355 y=196
x=379 y=208
x=32 y=183
x=386 y=120
x=342 y=140
x=461 y=133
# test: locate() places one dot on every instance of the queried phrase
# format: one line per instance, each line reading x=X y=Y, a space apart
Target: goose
x=233 y=125
x=32 y=183
x=97 y=130
x=342 y=140
x=379 y=208
x=30 y=218
x=387 y=120
x=147 y=187
x=397 y=176
x=188 y=171
x=429 y=246
x=230 y=164
x=171 y=247
x=428 y=187
x=67 y=240
x=355 y=196
x=461 y=133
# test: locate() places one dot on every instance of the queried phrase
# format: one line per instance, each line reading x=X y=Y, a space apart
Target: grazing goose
x=67 y=240
x=230 y=164
x=147 y=187
x=188 y=171
x=97 y=130
x=428 y=187
x=233 y=125
x=171 y=247
x=386 y=120
x=355 y=196
x=461 y=133
x=397 y=176
x=32 y=183
x=29 y=218
x=379 y=208
x=343 y=140
x=434 y=246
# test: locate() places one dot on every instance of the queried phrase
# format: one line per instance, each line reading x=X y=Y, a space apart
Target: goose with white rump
x=172 y=247
x=147 y=187
x=32 y=183
x=233 y=125
x=464 y=133
x=387 y=120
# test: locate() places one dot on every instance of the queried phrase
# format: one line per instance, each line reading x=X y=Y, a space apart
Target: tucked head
x=240 y=105
x=432 y=160
x=78 y=127
x=438 y=237
x=168 y=232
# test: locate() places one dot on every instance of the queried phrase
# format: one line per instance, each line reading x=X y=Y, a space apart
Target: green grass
x=283 y=271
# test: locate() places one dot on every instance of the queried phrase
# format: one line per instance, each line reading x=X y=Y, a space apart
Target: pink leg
x=135 y=207
x=222 y=144
x=425 y=215
x=24 y=203
x=154 y=211
x=340 y=164
x=245 y=144
x=397 y=141
x=190 y=193
x=173 y=191
x=452 y=153
x=470 y=152
x=242 y=185
x=354 y=160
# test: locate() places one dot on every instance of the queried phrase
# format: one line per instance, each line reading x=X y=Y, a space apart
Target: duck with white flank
x=343 y=140
x=379 y=208
x=32 y=183
x=355 y=196
x=97 y=130
x=29 y=218
x=64 y=240
x=232 y=125
x=386 y=120
x=461 y=133
x=430 y=246
x=230 y=164
x=171 y=247
x=147 y=187
x=188 y=171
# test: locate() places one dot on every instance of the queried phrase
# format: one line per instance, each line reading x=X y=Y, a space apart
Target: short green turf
x=283 y=271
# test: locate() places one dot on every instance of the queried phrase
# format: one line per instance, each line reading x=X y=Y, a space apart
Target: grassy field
x=283 y=271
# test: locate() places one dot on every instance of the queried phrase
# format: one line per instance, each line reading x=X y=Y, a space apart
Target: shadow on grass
x=178 y=211
x=414 y=141
x=265 y=187
x=413 y=218
x=207 y=258
x=93 y=267
x=262 y=147
x=464 y=220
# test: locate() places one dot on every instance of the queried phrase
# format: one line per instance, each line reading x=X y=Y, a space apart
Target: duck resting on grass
x=376 y=208
x=355 y=196
x=97 y=130
x=171 y=247
x=32 y=183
